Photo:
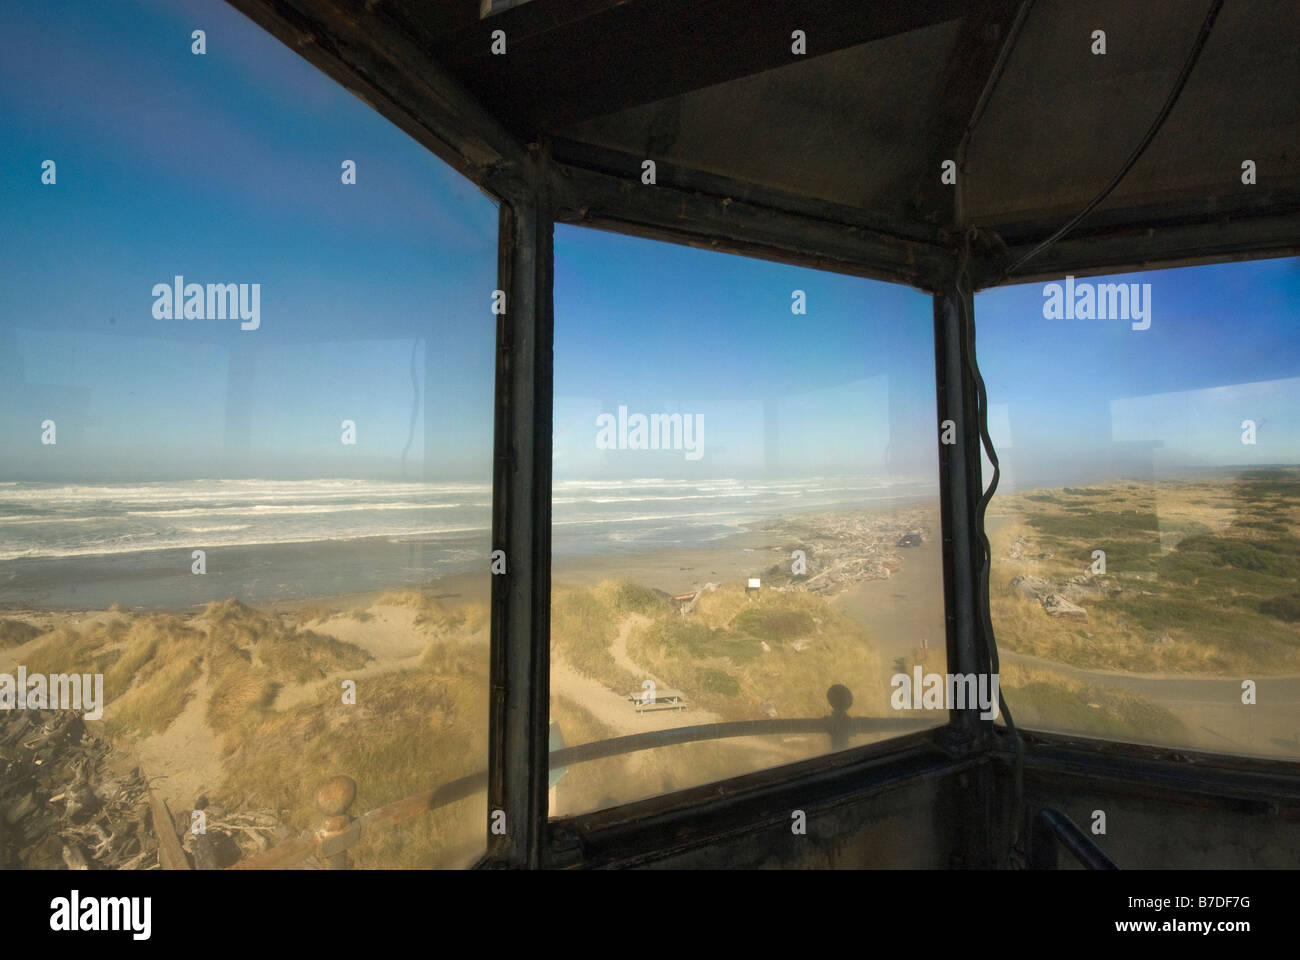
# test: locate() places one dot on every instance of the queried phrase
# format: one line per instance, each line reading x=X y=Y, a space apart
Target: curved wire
x=1015 y=855
x=1174 y=94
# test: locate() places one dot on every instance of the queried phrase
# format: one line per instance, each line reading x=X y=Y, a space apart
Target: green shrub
x=1284 y=608
x=774 y=624
x=715 y=681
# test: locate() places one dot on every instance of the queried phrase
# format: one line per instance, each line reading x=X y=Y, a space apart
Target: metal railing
x=1051 y=829
x=339 y=831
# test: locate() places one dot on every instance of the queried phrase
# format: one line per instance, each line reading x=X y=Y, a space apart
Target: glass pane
x=745 y=510
x=231 y=506
x=1146 y=565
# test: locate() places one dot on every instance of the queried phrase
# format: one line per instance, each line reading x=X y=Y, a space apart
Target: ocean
x=91 y=545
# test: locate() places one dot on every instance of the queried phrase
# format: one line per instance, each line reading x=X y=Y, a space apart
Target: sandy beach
x=397 y=624
x=239 y=699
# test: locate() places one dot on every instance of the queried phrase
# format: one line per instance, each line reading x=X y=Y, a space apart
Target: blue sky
x=846 y=388
x=1073 y=399
x=375 y=303
x=226 y=168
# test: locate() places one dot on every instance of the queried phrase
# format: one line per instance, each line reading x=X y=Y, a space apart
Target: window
x=745 y=509
x=1146 y=568
x=261 y=512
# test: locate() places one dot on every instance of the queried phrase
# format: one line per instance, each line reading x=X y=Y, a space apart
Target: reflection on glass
x=1146 y=569
x=266 y=542
x=745 y=510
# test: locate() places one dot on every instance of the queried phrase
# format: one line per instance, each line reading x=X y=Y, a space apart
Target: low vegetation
x=14 y=633
x=1046 y=700
x=775 y=654
x=1201 y=576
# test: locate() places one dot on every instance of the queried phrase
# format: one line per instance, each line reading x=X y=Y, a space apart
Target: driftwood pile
x=842 y=549
x=61 y=807
x=69 y=801
x=227 y=837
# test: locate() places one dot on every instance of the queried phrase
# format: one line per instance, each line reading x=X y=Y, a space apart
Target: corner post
x=521 y=525
x=960 y=483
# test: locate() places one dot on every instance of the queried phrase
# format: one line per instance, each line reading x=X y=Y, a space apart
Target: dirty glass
x=246 y=406
x=745 y=512
x=1146 y=531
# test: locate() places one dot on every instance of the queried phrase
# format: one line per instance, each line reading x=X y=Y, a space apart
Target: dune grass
x=433 y=615
x=716 y=654
x=584 y=623
x=1198 y=581
x=1046 y=700
x=65 y=650
x=160 y=692
x=14 y=633
x=408 y=731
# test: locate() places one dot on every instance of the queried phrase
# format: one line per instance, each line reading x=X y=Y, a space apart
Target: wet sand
x=351 y=574
x=900 y=612
x=267 y=573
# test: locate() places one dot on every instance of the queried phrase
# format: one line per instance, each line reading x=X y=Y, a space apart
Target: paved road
x=1211 y=707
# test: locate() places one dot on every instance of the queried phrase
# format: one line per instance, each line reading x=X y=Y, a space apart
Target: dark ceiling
x=884 y=94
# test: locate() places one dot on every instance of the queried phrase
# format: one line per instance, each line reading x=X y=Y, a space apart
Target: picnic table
x=663 y=700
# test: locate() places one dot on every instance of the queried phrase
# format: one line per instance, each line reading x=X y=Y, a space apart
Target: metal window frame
x=372 y=57
x=774 y=228
x=521 y=527
x=689 y=208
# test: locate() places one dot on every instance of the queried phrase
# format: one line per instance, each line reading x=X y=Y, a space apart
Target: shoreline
x=163 y=580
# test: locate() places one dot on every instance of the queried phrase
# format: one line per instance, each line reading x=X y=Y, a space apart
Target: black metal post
x=959 y=478
x=521 y=527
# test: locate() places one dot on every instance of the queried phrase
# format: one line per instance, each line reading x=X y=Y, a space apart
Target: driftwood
x=170 y=854
x=69 y=801
x=62 y=805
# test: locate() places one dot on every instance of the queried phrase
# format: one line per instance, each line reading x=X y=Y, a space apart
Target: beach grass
x=1196 y=581
x=584 y=623
x=1201 y=579
x=774 y=653
x=408 y=731
x=1046 y=700
x=14 y=633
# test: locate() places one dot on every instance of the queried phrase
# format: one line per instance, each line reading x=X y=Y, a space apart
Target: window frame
x=520 y=686
x=630 y=833
x=585 y=185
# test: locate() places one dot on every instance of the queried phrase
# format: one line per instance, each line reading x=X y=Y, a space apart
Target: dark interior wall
x=915 y=826
x=941 y=823
x=1165 y=829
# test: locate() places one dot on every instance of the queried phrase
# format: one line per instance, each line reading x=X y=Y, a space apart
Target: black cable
x=1014 y=849
x=1197 y=47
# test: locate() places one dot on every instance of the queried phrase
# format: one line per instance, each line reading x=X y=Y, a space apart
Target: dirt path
x=184 y=760
x=618 y=649
x=614 y=709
